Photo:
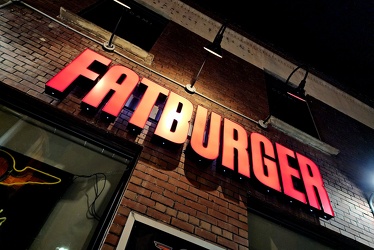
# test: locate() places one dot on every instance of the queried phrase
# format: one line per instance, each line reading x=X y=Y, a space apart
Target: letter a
x=110 y=82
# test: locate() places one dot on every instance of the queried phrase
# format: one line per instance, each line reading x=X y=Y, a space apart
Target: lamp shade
x=215 y=46
x=215 y=49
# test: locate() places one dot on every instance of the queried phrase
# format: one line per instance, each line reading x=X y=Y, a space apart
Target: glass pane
x=138 y=25
x=287 y=108
x=264 y=234
x=90 y=173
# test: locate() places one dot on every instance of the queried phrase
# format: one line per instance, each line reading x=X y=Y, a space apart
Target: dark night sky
x=335 y=38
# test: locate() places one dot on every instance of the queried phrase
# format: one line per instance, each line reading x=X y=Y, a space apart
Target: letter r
x=235 y=138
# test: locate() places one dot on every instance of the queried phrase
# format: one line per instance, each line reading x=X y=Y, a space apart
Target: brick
x=227 y=234
x=187 y=195
x=241 y=240
x=116 y=229
x=146 y=201
x=217 y=214
x=163 y=200
x=227 y=243
x=112 y=239
x=182 y=225
x=189 y=210
x=158 y=215
x=206 y=234
x=107 y=247
x=229 y=227
x=173 y=196
x=134 y=205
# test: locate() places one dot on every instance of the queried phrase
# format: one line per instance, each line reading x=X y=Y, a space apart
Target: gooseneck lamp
x=213 y=48
x=297 y=92
x=109 y=46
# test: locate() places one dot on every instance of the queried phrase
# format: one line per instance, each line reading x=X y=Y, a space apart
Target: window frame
x=282 y=95
x=300 y=222
x=36 y=109
x=125 y=22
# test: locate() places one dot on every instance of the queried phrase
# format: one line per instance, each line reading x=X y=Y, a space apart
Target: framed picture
x=143 y=233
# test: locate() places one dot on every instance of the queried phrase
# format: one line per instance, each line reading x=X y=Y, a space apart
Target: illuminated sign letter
x=313 y=182
x=120 y=81
x=144 y=108
x=272 y=166
x=175 y=119
x=264 y=165
x=235 y=141
x=289 y=173
x=61 y=82
x=207 y=148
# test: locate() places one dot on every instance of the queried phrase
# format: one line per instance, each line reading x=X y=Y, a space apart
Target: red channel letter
x=119 y=79
x=211 y=150
x=146 y=104
x=235 y=138
x=264 y=165
x=175 y=119
x=313 y=182
x=78 y=67
x=288 y=172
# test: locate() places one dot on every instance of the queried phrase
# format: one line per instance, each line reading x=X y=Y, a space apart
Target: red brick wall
x=168 y=185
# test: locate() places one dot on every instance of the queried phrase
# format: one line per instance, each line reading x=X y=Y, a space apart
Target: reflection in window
x=90 y=175
x=264 y=234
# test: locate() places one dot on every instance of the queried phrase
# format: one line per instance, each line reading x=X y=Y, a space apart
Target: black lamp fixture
x=109 y=46
x=299 y=91
x=213 y=48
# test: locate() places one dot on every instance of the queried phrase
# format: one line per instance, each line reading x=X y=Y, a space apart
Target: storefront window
x=264 y=234
x=56 y=190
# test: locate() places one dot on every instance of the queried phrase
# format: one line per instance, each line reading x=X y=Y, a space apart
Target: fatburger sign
x=241 y=152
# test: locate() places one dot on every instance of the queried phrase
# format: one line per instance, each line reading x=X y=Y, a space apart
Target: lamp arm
x=371 y=200
x=219 y=36
x=198 y=73
x=303 y=81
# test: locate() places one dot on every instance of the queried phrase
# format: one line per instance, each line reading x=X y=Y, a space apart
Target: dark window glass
x=139 y=25
x=264 y=234
x=60 y=180
x=288 y=106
